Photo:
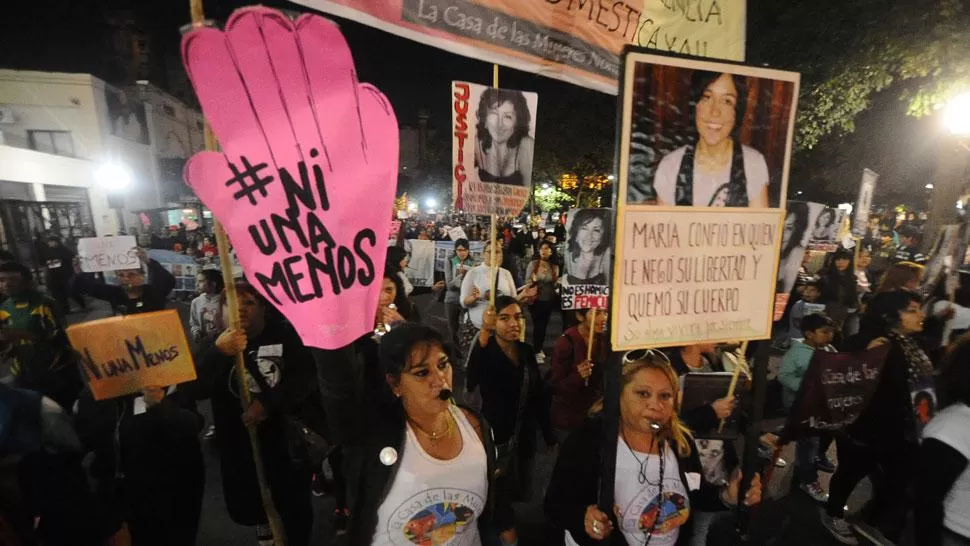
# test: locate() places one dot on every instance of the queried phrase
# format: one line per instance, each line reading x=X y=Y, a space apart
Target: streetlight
x=610 y=177
x=956 y=115
x=545 y=185
x=115 y=179
x=430 y=202
x=928 y=186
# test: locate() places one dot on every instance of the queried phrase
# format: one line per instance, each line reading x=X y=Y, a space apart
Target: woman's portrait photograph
x=504 y=147
x=589 y=234
x=708 y=134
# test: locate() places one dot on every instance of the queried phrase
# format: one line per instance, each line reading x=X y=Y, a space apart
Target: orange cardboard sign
x=122 y=355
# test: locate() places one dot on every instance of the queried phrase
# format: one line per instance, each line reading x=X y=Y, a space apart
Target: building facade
x=57 y=131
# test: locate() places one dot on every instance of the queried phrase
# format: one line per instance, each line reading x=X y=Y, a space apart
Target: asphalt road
x=786 y=517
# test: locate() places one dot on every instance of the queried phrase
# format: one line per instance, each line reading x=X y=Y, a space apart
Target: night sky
x=73 y=36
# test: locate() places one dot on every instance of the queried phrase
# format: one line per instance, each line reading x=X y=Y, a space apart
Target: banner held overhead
x=578 y=41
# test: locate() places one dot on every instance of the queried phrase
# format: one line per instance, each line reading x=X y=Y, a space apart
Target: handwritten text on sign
x=107 y=253
x=122 y=355
x=585 y=296
x=307 y=173
x=684 y=276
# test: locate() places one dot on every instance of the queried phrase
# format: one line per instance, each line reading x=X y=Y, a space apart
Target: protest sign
x=457 y=233
x=107 y=253
x=943 y=258
x=860 y=214
x=587 y=255
x=826 y=227
x=122 y=355
x=493 y=147
x=308 y=168
x=576 y=41
x=835 y=389
x=421 y=256
x=182 y=267
x=702 y=389
x=687 y=275
x=664 y=120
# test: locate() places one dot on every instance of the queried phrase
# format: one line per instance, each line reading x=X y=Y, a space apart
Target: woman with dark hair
x=792 y=251
x=543 y=274
x=504 y=151
x=883 y=441
x=281 y=384
x=588 y=254
x=660 y=484
x=716 y=170
x=901 y=276
x=824 y=226
x=419 y=468
x=511 y=388
x=839 y=291
x=943 y=486
x=455 y=271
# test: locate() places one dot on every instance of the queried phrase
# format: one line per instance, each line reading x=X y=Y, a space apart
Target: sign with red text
x=578 y=41
x=494 y=144
x=122 y=355
x=308 y=168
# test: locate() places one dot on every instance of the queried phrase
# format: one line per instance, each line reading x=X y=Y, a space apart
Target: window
x=52 y=142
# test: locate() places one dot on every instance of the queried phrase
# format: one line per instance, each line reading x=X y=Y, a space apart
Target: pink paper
x=308 y=169
x=145 y=220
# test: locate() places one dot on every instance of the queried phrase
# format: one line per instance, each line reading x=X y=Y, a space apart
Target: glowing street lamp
x=431 y=202
x=113 y=177
x=956 y=115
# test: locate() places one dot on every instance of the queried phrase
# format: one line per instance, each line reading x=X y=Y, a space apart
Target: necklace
x=435 y=436
x=642 y=479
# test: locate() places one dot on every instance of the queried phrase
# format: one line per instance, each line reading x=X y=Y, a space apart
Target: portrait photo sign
x=578 y=41
x=308 y=167
x=493 y=147
x=706 y=134
x=587 y=256
x=122 y=355
x=704 y=155
x=795 y=234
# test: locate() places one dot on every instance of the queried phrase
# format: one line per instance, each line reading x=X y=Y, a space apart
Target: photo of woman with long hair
x=588 y=246
x=504 y=149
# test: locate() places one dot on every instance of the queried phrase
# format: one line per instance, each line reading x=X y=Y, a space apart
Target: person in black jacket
x=148 y=464
x=419 y=469
x=58 y=259
x=659 y=480
x=281 y=383
x=135 y=295
x=883 y=441
x=511 y=388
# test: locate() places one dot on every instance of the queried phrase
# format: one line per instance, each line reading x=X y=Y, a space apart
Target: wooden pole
x=494 y=235
x=225 y=261
x=741 y=365
x=591 y=319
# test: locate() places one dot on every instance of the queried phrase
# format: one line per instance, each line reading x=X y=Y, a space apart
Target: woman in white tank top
x=420 y=470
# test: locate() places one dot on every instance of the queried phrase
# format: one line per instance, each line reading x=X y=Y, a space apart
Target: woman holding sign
x=137 y=293
x=659 y=479
x=281 y=382
x=716 y=170
x=421 y=469
x=576 y=380
x=883 y=441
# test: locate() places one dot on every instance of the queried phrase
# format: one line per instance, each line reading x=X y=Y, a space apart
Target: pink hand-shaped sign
x=308 y=169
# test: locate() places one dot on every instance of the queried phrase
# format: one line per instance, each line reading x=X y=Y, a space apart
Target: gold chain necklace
x=434 y=436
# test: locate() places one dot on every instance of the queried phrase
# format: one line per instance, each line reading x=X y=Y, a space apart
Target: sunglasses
x=639 y=354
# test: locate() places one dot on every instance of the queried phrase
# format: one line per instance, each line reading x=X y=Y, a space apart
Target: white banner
x=689 y=275
x=494 y=143
x=107 y=253
x=420 y=270
x=860 y=215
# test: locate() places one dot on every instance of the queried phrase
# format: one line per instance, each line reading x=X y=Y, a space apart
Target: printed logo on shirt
x=436 y=517
x=647 y=507
x=923 y=396
x=268 y=361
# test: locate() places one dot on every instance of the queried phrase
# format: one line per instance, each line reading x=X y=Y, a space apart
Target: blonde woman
x=659 y=480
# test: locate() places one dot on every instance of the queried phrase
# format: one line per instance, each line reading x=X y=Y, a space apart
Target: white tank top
x=434 y=501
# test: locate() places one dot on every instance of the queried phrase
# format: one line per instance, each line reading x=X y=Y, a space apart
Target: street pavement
x=787 y=517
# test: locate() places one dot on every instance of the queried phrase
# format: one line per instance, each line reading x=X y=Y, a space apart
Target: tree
x=551 y=199
x=848 y=51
